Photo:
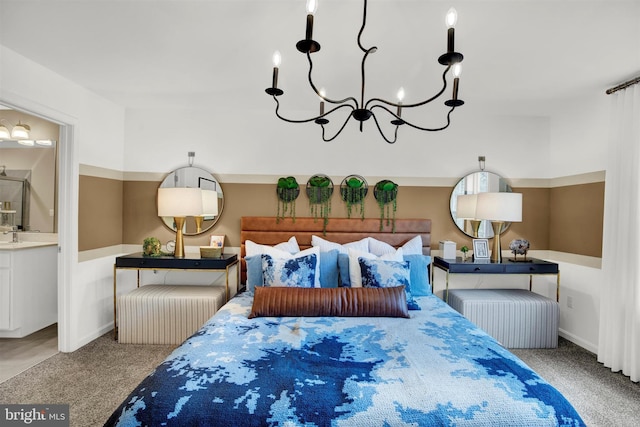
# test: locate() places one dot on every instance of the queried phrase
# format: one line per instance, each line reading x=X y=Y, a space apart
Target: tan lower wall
x=99 y=212
x=576 y=219
x=553 y=218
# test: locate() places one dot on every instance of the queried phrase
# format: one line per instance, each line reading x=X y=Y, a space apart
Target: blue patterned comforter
x=435 y=368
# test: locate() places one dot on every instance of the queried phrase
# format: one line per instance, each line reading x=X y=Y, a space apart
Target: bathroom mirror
x=193 y=177
x=474 y=183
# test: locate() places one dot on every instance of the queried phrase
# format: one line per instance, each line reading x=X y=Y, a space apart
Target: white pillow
x=326 y=245
x=253 y=248
x=355 y=276
x=412 y=247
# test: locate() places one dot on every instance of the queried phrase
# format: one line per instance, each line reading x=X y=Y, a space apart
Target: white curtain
x=619 y=339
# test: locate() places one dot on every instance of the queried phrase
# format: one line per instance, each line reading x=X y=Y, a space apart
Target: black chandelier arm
x=339 y=130
x=289 y=120
x=395 y=133
x=312 y=119
x=315 y=89
x=404 y=122
x=417 y=104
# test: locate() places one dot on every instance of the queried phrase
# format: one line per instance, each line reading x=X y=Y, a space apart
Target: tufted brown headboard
x=268 y=231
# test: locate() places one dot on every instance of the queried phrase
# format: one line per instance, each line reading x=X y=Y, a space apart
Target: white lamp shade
x=505 y=207
x=466 y=206
x=209 y=203
x=20 y=131
x=4 y=132
x=179 y=202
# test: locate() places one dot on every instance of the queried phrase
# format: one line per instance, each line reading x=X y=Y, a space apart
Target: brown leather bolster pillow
x=314 y=302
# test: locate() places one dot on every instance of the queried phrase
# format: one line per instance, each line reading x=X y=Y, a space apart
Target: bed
x=259 y=361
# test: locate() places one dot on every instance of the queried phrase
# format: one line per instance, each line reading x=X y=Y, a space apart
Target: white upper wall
x=98 y=123
x=579 y=135
x=256 y=142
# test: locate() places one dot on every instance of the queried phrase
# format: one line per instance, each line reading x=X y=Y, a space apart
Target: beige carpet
x=95 y=379
x=92 y=380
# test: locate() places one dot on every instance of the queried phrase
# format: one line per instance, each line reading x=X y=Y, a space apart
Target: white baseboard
x=92 y=336
x=593 y=348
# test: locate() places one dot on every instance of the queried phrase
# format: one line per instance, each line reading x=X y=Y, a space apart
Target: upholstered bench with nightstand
x=517 y=318
x=166 y=314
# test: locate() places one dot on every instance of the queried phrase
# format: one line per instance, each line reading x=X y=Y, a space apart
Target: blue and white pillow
x=354 y=268
x=377 y=273
x=299 y=272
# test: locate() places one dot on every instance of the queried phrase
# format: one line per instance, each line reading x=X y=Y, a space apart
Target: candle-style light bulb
x=457 y=70
x=400 y=98
x=323 y=94
x=277 y=59
x=451 y=19
x=312 y=6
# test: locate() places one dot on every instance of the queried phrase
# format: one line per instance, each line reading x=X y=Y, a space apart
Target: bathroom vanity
x=28 y=287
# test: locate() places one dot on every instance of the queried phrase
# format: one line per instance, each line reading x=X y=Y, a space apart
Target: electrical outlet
x=570 y=302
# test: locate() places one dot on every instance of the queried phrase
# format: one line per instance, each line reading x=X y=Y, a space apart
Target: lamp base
x=179 y=250
x=475 y=226
x=496 y=250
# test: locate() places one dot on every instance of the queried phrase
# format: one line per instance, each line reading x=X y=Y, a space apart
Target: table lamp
x=209 y=208
x=179 y=203
x=466 y=209
x=499 y=208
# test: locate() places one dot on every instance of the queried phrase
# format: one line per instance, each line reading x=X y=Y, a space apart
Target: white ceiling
x=521 y=57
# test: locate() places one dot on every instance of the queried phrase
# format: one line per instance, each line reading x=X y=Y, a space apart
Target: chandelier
x=359 y=109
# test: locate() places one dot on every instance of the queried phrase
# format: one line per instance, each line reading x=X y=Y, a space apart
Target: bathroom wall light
x=4 y=132
x=20 y=131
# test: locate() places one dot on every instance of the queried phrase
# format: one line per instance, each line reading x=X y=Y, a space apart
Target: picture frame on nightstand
x=480 y=249
x=217 y=242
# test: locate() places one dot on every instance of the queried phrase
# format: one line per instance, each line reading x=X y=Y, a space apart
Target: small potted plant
x=287 y=191
x=353 y=191
x=151 y=246
x=464 y=251
x=386 y=193
x=319 y=191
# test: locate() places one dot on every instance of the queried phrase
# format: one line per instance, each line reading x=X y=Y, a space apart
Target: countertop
x=28 y=240
x=7 y=246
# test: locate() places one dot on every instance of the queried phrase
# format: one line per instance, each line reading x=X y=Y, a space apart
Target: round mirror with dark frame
x=193 y=177
x=474 y=183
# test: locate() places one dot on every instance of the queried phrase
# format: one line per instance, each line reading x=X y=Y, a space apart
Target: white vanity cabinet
x=28 y=288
